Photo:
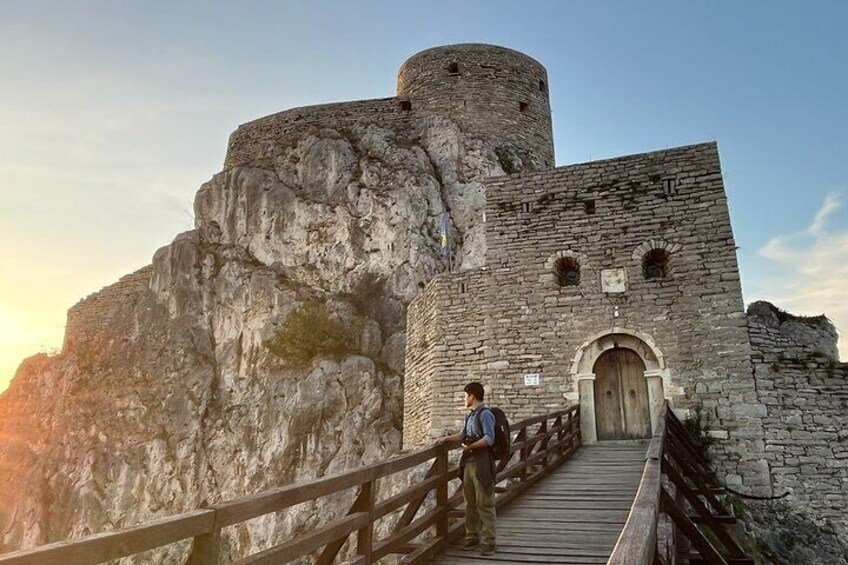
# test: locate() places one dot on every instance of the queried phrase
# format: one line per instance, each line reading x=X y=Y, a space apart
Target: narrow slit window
x=542 y=86
x=669 y=186
x=526 y=207
x=463 y=288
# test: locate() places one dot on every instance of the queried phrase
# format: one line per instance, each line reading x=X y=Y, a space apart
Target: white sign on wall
x=531 y=379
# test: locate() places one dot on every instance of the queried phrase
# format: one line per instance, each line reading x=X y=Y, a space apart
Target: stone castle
x=613 y=284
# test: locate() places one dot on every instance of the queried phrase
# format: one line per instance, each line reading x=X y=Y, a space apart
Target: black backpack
x=503 y=441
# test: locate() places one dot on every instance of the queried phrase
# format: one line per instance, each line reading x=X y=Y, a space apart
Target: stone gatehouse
x=613 y=284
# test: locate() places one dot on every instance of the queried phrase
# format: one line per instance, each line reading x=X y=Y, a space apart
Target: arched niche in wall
x=656 y=259
x=565 y=269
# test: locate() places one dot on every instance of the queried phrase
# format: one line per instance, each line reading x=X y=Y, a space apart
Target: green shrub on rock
x=309 y=331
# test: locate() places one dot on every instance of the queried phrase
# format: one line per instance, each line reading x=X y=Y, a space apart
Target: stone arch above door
x=656 y=373
x=638 y=341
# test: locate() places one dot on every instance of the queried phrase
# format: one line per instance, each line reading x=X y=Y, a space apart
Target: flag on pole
x=445 y=250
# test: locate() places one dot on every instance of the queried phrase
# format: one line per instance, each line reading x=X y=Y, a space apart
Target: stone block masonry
x=804 y=391
x=92 y=315
x=515 y=316
x=490 y=92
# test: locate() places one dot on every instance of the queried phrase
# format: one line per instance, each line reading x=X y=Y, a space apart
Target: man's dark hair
x=476 y=389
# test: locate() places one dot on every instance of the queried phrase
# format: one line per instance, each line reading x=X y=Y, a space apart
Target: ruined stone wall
x=256 y=143
x=93 y=314
x=491 y=92
x=805 y=394
x=495 y=94
x=693 y=317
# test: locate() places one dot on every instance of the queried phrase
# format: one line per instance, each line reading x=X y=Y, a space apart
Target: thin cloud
x=814 y=267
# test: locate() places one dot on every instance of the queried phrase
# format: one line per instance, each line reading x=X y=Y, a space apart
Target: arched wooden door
x=621 y=396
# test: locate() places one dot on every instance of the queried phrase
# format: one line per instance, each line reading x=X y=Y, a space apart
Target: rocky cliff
x=178 y=388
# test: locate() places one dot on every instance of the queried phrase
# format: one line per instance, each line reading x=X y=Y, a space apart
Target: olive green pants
x=479 y=505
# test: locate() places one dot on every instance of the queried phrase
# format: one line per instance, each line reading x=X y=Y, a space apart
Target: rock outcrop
x=167 y=396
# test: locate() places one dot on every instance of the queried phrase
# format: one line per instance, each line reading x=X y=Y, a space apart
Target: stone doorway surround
x=656 y=373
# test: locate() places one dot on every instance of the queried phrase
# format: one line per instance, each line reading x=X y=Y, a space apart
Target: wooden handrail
x=638 y=539
x=672 y=457
x=120 y=543
x=533 y=454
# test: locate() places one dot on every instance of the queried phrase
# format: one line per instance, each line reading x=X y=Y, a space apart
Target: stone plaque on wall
x=614 y=280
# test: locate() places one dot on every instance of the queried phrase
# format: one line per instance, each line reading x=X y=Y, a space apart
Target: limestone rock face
x=342 y=204
x=175 y=400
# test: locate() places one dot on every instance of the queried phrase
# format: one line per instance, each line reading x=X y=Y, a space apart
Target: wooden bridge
x=558 y=502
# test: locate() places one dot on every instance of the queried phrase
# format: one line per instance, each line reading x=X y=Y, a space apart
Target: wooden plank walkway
x=573 y=516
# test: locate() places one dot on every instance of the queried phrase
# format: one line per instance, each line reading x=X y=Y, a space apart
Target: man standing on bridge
x=478 y=471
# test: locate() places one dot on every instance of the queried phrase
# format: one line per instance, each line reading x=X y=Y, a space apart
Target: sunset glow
x=105 y=137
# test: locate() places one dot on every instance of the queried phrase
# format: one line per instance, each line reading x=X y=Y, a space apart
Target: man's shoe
x=487 y=549
x=470 y=544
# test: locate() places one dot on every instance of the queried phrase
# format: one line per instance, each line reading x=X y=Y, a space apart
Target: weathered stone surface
x=166 y=397
x=805 y=391
x=781 y=535
x=815 y=333
x=394 y=352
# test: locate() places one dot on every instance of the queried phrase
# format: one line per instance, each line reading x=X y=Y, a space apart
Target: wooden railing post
x=442 y=493
x=545 y=441
x=206 y=549
x=365 y=535
x=523 y=453
x=559 y=437
x=576 y=438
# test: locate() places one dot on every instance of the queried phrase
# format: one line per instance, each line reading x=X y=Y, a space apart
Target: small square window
x=453 y=69
x=405 y=105
x=522 y=106
x=590 y=206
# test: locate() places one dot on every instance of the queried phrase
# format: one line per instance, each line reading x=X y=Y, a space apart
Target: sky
x=113 y=113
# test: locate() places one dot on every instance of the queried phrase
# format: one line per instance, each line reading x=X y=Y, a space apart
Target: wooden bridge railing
x=691 y=502
x=540 y=444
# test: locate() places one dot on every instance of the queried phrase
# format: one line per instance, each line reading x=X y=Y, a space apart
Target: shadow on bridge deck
x=572 y=516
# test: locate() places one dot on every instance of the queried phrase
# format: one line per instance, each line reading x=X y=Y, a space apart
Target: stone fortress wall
x=89 y=317
x=490 y=92
x=511 y=318
x=804 y=390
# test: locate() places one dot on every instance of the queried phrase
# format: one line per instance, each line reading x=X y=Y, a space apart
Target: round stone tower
x=492 y=92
